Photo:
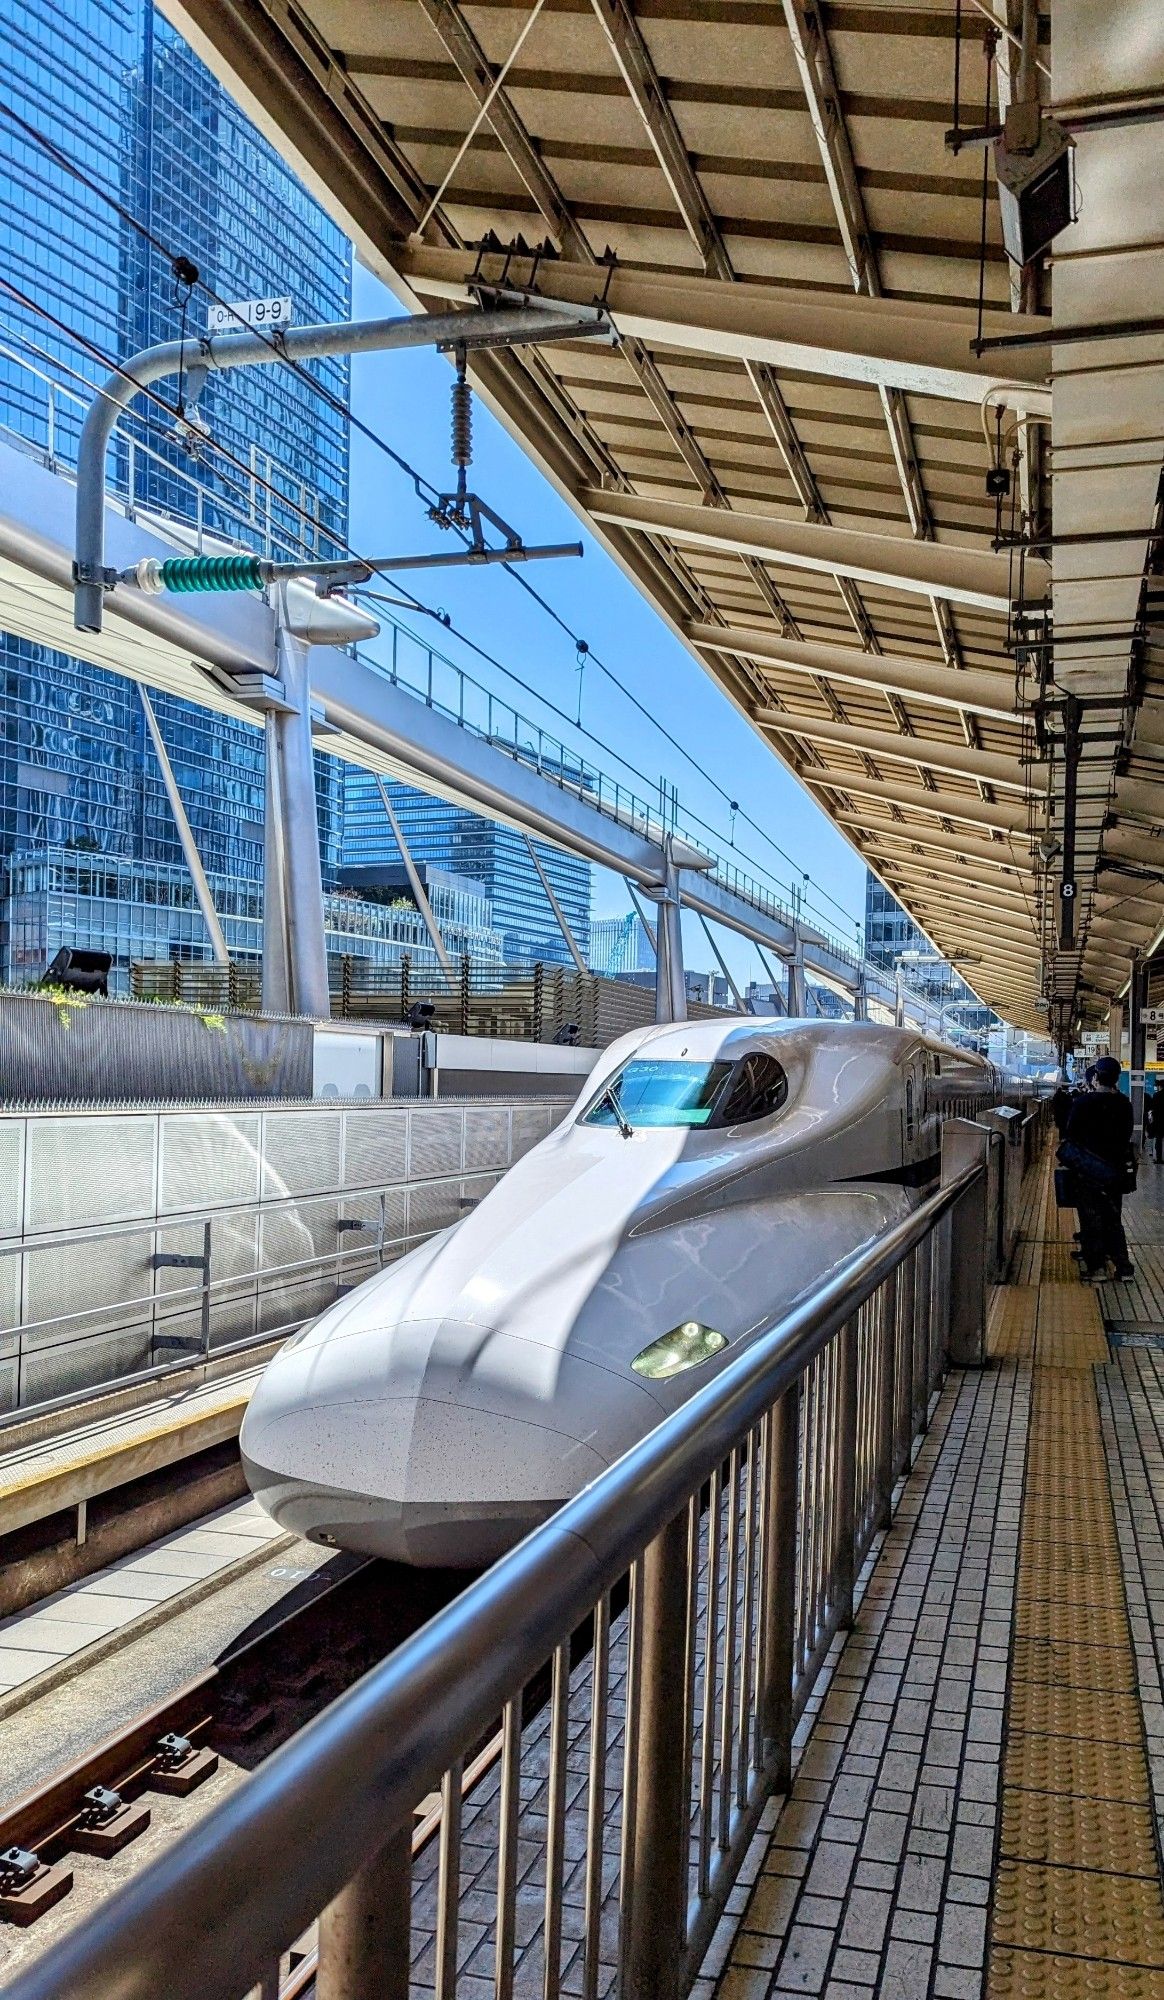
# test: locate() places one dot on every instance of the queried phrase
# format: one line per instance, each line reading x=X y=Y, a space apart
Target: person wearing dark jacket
x=1095 y=1146
x=1061 y=1108
x=1154 y=1121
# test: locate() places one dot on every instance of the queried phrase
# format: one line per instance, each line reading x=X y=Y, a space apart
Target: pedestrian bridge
x=846 y=1681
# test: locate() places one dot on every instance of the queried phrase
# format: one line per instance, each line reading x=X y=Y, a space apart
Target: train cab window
x=757 y=1089
x=662 y=1093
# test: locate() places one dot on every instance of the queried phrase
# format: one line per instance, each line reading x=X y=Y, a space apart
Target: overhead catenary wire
x=407 y=598
x=424 y=488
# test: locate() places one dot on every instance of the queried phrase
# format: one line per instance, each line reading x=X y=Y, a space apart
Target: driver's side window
x=757 y=1090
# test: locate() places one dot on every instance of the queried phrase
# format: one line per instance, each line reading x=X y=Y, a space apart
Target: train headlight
x=684 y=1347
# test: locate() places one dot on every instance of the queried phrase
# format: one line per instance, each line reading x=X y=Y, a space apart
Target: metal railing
x=625 y=1806
x=154 y=1240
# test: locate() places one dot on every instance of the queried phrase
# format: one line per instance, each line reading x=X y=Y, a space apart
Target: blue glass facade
x=448 y=836
x=112 y=85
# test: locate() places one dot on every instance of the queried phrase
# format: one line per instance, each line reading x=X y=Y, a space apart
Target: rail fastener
x=30 y=1886
x=181 y=1766
x=107 y=1822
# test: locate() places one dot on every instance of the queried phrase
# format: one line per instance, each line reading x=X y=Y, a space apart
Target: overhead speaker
x=1036 y=188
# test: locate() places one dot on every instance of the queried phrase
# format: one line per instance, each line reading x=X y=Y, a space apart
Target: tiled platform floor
x=977 y=1810
x=78 y=1624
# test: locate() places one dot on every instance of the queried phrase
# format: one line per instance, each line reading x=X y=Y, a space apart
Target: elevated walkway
x=976 y=1807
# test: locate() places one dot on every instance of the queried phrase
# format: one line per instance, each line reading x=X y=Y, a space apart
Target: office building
x=619 y=945
x=476 y=850
x=889 y=930
x=891 y=936
x=116 y=89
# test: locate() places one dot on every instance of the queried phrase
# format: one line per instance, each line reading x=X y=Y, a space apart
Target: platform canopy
x=788 y=449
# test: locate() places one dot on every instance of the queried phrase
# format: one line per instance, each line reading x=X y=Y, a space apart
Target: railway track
x=285 y=1669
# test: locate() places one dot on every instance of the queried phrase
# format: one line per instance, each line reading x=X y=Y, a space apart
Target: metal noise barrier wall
x=113 y=1051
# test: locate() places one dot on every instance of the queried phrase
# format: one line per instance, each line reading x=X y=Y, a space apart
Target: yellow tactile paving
x=1085 y=1912
x=1078 y=1905
x=1032 y=1975
x=1011 y=1328
x=1075 y=1766
x=1071 y=1711
x=1078 y=1833
x=1086 y=1624
x=1058 y=1663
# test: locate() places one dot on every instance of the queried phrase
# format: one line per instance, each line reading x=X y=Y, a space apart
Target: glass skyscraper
x=109 y=84
x=450 y=837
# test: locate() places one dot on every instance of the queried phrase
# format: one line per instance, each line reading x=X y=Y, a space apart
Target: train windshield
x=662 y=1093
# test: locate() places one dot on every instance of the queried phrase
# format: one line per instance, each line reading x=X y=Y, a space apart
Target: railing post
x=466 y=983
x=778 y=1609
x=654 y=1899
x=364 y=1936
x=923 y=1258
x=886 y=1404
x=969 y=1242
x=205 y=1316
x=903 y=1344
x=845 y=1469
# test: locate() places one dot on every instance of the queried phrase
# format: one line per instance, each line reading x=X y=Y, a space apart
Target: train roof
x=737 y=1036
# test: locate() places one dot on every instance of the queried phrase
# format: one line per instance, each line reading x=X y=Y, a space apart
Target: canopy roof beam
x=882 y=343
x=931 y=682
x=955 y=759
x=965 y=576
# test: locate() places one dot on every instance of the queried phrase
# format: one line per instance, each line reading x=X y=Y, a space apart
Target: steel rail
x=344 y=1787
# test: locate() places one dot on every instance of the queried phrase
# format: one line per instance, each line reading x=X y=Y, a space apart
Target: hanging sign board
x=1152 y=1017
x=226 y=318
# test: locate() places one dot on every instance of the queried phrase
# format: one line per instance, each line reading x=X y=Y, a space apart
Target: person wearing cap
x=1096 y=1146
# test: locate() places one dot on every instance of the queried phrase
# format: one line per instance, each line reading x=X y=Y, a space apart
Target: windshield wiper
x=610 y=1096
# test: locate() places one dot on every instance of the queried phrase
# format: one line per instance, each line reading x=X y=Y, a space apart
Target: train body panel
x=457 y=1398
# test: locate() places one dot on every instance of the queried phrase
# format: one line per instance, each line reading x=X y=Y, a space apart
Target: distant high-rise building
x=619 y=945
x=889 y=930
x=479 y=851
x=111 y=85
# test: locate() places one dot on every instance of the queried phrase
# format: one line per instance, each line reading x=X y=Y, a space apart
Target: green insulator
x=190 y=573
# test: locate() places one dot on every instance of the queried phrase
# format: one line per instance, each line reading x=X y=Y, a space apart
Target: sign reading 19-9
x=227 y=318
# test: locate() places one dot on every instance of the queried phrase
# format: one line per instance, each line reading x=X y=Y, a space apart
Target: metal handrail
x=331 y=1805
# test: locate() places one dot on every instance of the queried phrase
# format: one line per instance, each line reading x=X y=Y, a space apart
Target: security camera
x=1049 y=846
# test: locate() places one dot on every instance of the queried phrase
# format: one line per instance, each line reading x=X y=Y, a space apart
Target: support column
x=670 y=989
x=1115 y=1030
x=797 y=983
x=899 y=1001
x=295 y=809
x=861 y=999
x=276 y=954
x=1136 y=1039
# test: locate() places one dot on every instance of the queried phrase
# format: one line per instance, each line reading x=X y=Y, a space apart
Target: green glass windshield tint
x=663 y=1093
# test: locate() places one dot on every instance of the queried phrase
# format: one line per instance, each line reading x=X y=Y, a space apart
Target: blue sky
x=405 y=397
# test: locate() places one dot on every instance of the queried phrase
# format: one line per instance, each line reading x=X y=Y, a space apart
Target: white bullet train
x=710 y=1174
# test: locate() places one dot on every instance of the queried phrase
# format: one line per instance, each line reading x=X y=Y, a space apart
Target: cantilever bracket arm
x=503 y=325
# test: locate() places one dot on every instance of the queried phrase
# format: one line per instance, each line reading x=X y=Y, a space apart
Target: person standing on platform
x=1096 y=1147
x=1154 y=1119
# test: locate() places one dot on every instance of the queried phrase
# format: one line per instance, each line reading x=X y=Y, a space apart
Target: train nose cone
x=436 y=1444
